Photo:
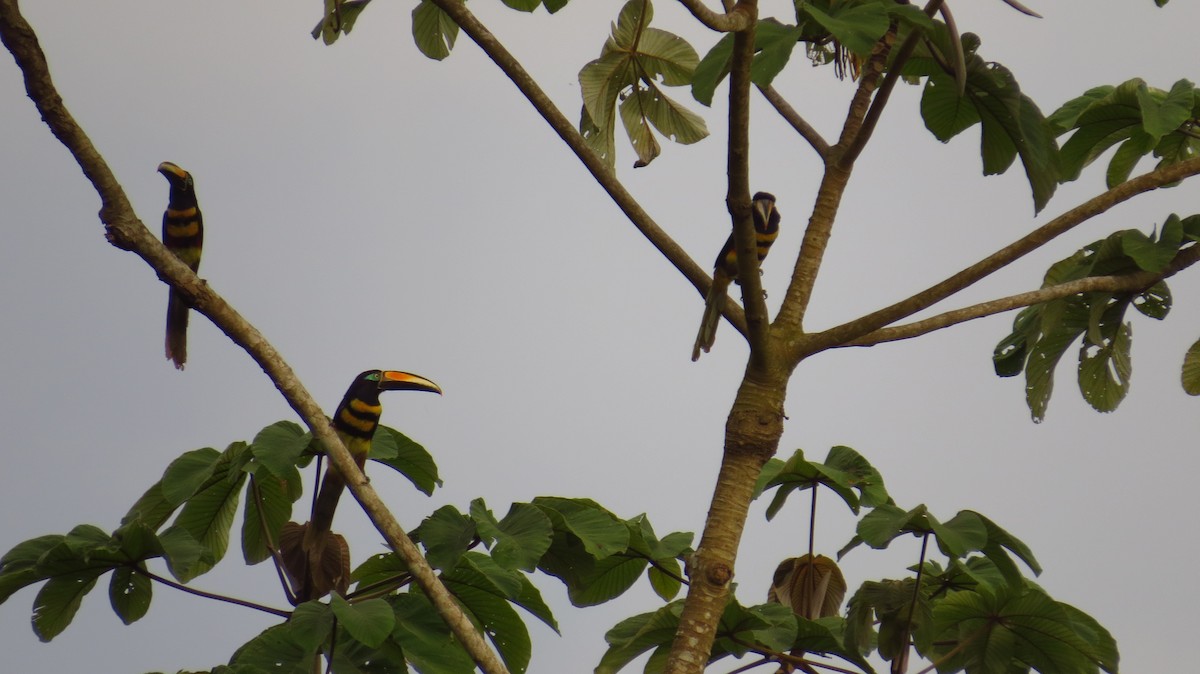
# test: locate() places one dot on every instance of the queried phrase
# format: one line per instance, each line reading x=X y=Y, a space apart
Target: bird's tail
x=177 y=322
x=713 y=303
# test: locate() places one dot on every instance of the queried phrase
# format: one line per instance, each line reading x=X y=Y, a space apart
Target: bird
x=725 y=269
x=183 y=235
x=813 y=587
x=317 y=561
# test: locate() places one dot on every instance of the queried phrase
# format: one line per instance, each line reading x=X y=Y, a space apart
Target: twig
x=789 y=114
x=126 y=231
x=208 y=595
x=1118 y=283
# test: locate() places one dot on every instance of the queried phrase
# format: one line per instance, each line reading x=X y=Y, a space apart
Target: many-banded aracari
x=766 y=228
x=183 y=235
x=317 y=560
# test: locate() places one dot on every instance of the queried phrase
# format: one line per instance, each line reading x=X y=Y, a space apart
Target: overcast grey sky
x=366 y=207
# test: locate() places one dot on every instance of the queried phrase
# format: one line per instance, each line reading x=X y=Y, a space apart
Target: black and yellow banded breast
x=358 y=418
x=182 y=228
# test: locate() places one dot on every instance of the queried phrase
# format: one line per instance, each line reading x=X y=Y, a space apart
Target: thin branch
x=208 y=595
x=731 y=21
x=789 y=114
x=939 y=291
x=1022 y=8
x=607 y=179
x=1118 y=283
x=912 y=606
x=737 y=197
x=126 y=231
x=885 y=91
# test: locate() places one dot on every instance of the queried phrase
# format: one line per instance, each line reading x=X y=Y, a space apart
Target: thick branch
x=508 y=63
x=126 y=231
x=732 y=21
x=829 y=194
x=864 y=325
x=1118 y=283
x=789 y=114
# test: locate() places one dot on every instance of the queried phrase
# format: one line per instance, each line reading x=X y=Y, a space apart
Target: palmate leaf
x=484 y=597
x=269 y=502
x=369 y=622
x=446 y=535
x=1011 y=124
x=1017 y=627
x=640 y=633
x=635 y=60
x=1139 y=118
x=773 y=46
x=844 y=471
x=208 y=514
x=339 y=19
x=520 y=539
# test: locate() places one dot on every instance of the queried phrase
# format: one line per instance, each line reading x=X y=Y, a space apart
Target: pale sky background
x=366 y=207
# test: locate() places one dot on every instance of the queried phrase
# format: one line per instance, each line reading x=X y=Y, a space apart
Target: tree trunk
x=751 y=438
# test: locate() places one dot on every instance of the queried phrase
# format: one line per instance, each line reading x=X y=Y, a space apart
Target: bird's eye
x=374 y=376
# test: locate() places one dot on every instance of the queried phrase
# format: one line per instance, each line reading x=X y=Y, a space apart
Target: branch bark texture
x=126 y=231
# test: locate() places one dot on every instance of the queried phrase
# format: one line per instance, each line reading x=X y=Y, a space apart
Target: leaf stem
x=208 y=595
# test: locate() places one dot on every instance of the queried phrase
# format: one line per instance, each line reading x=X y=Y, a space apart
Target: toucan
x=766 y=228
x=317 y=560
x=183 y=235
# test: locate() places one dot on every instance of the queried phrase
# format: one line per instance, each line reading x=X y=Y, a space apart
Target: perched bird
x=812 y=587
x=317 y=560
x=183 y=235
x=766 y=228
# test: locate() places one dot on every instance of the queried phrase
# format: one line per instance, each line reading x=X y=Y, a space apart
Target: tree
x=770 y=367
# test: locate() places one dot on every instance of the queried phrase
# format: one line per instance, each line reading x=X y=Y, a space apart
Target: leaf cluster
x=1043 y=332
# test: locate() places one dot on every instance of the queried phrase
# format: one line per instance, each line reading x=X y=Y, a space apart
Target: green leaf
x=520 y=539
x=277 y=495
x=512 y=585
x=339 y=19
x=446 y=535
x=433 y=30
x=187 y=474
x=666 y=583
x=1162 y=114
x=999 y=541
x=1191 y=370
x=1127 y=156
x=945 y=112
x=57 y=602
x=380 y=568
x=1104 y=370
x=772 y=625
x=636 y=635
x=986 y=634
x=186 y=557
x=280 y=446
x=1151 y=255
x=1063 y=321
x=774 y=43
x=523 y=5
x=370 y=621
x=488 y=607
x=1155 y=301
x=964 y=533
x=427 y=642
x=712 y=69
x=275 y=650
x=600 y=532
x=311 y=624
x=130 y=593
x=392 y=448
x=857 y=26
x=208 y=514
x=886 y=523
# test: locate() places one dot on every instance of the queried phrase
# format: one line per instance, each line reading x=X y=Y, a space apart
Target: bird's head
x=765 y=215
x=177 y=177
x=367 y=386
